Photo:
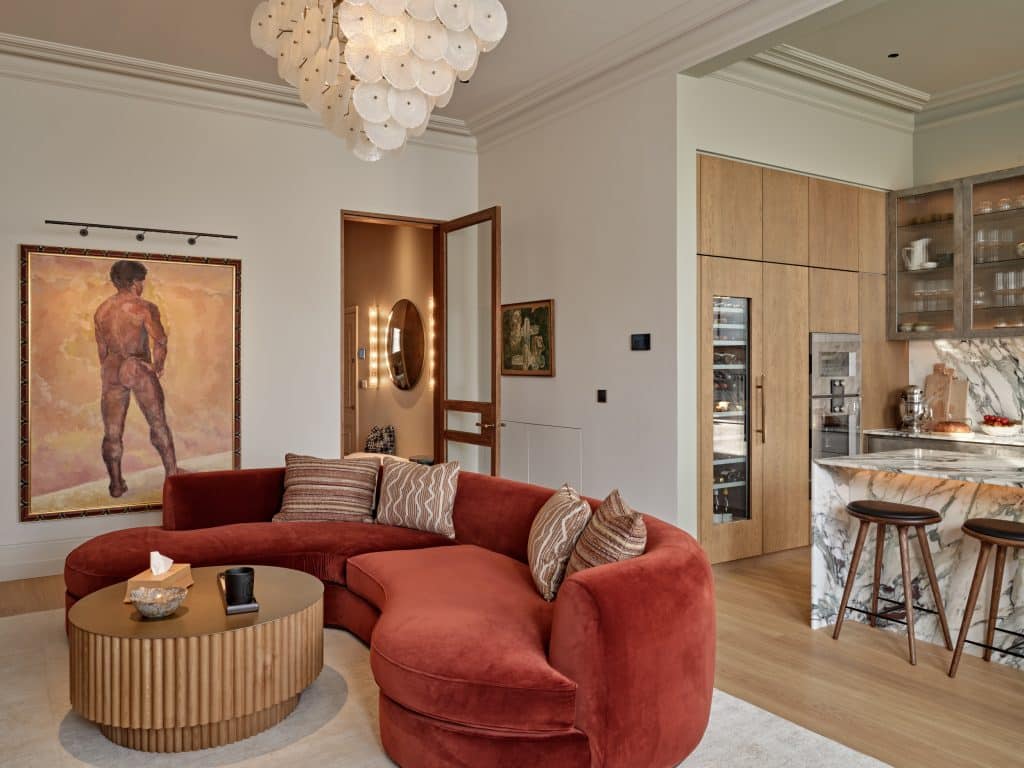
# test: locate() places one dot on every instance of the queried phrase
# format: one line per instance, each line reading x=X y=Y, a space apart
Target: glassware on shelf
x=730 y=417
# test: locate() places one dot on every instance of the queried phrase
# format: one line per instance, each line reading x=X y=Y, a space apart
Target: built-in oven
x=835 y=394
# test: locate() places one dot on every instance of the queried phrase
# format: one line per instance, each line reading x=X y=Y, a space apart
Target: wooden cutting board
x=937 y=388
x=958 y=399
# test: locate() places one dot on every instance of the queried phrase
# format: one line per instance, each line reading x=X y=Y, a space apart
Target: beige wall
x=81 y=144
x=988 y=140
x=384 y=264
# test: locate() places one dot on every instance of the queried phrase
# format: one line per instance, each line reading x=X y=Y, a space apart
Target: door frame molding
x=345 y=311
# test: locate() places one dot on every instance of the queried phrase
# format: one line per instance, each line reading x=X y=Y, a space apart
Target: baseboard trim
x=34 y=559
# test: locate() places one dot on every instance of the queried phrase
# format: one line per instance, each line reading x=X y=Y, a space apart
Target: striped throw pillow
x=614 y=533
x=326 y=490
x=553 y=536
x=419 y=497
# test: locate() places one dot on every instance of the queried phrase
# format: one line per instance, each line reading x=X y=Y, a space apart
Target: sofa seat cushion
x=463 y=637
x=319 y=549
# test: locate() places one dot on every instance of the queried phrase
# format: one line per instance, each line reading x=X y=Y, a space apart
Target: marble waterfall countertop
x=948 y=465
x=957 y=486
x=973 y=437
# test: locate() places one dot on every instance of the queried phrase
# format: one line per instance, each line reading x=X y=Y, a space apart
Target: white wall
x=963 y=146
x=93 y=154
x=589 y=220
x=780 y=122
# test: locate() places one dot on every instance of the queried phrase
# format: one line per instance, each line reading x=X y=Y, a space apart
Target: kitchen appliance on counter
x=835 y=394
x=915 y=413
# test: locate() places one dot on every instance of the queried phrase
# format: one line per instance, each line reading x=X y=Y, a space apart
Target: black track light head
x=84 y=232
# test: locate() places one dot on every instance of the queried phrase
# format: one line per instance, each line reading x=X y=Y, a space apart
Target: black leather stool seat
x=893 y=513
x=1010 y=530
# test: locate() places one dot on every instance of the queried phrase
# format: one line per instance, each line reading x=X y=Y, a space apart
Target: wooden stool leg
x=972 y=600
x=993 y=604
x=904 y=558
x=879 y=553
x=926 y=555
x=862 y=533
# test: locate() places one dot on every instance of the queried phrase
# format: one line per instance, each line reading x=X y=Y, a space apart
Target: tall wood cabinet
x=782 y=257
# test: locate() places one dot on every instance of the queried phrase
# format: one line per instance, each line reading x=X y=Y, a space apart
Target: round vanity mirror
x=405 y=344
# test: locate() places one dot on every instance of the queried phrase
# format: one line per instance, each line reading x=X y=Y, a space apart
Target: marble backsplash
x=994 y=369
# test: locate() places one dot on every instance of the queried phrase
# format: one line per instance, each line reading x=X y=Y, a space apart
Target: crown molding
x=769 y=79
x=43 y=61
x=820 y=69
x=971 y=100
x=691 y=33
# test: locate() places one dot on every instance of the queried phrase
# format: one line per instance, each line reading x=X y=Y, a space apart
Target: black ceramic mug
x=238 y=585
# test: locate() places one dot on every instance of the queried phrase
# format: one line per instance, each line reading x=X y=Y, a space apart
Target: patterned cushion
x=381 y=440
x=614 y=533
x=414 y=496
x=553 y=535
x=341 y=490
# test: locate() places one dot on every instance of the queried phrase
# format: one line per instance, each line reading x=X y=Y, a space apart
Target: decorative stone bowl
x=157 y=602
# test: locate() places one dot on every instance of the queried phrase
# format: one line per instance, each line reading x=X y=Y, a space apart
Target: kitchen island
x=957 y=486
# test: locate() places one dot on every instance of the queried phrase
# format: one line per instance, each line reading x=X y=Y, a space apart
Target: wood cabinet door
x=835 y=301
x=885 y=363
x=785 y=229
x=731 y=437
x=785 y=484
x=871 y=237
x=729 y=201
x=834 y=225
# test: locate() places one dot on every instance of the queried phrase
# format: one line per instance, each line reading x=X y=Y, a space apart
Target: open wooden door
x=468 y=289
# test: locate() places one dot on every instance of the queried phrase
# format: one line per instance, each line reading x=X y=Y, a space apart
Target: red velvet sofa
x=474 y=667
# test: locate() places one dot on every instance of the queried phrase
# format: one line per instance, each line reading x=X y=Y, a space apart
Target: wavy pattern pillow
x=418 y=497
x=341 y=490
x=614 y=533
x=553 y=535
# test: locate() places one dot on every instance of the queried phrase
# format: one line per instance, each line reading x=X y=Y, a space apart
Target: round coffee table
x=199 y=678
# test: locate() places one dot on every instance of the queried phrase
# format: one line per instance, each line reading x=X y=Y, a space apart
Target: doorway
x=420 y=343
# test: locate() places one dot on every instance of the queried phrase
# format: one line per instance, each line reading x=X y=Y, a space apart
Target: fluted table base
x=200 y=736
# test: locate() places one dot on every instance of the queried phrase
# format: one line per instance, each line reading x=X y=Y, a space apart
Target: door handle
x=489 y=426
x=760 y=390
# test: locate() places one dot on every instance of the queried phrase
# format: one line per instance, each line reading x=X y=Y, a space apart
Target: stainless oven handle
x=760 y=390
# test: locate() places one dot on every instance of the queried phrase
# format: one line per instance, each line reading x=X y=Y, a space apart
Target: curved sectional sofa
x=474 y=667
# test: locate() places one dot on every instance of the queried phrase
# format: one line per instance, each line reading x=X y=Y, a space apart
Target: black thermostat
x=640 y=342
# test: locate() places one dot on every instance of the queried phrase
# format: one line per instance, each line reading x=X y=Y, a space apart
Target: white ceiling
x=943 y=44
x=544 y=38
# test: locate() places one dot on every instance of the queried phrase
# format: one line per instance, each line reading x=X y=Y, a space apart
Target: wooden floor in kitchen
x=859 y=690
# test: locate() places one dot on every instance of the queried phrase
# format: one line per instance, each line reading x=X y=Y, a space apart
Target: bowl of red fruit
x=1000 y=426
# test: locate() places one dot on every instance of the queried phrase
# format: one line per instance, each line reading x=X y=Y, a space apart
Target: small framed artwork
x=528 y=338
x=129 y=373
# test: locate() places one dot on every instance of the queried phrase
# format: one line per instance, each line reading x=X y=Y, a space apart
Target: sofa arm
x=209 y=499
x=638 y=638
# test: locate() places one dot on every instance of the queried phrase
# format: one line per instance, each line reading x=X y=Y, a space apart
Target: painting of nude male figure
x=129 y=375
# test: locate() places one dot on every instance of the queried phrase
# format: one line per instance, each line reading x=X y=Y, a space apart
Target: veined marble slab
x=973 y=437
x=947 y=465
x=957 y=486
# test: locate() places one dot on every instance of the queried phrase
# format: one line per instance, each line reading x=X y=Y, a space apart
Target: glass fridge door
x=731 y=409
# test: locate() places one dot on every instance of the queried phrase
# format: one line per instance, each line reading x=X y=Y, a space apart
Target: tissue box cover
x=180 y=575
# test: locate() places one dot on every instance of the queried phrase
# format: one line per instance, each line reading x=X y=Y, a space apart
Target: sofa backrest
x=496 y=513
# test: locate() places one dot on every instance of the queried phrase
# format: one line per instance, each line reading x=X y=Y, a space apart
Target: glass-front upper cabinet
x=995 y=286
x=730 y=407
x=925 y=268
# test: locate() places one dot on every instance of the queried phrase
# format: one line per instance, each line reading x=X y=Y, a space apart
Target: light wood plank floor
x=859 y=690
x=30 y=595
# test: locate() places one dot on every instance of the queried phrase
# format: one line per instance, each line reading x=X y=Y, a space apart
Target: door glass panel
x=472 y=458
x=731 y=409
x=997 y=237
x=925 y=284
x=460 y=421
x=469 y=313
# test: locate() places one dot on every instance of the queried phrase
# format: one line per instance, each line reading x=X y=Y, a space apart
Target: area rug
x=335 y=722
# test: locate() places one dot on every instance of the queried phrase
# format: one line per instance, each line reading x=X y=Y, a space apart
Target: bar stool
x=1000 y=534
x=903 y=517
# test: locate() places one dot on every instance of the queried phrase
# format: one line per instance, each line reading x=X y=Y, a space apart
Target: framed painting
x=528 y=338
x=129 y=373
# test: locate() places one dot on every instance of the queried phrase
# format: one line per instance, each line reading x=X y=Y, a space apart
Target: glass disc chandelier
x=375 y=70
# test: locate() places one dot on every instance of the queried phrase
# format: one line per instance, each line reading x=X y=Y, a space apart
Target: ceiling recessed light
x=894 y=55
